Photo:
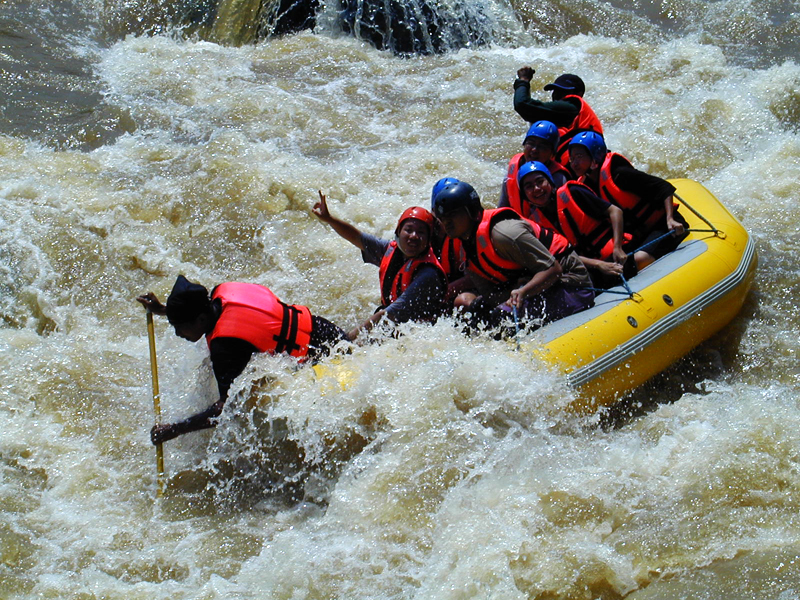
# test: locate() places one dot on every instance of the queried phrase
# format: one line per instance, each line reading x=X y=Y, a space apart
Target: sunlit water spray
x=447 y=468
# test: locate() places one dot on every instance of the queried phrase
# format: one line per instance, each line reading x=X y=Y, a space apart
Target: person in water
x=540 y=144
x=592 y=225
x=511 y=263
x=237 y=320
x=647 y=202
x=568 y=110
x=412 y=281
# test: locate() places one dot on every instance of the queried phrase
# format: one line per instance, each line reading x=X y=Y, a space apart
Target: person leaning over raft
x=238 y=320
x=511 y=262
x=412 y=281
x=568 y=110
x=648 y=206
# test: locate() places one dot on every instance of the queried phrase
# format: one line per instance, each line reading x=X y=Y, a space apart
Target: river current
x=447 y=468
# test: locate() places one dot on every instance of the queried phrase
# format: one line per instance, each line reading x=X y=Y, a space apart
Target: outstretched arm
x=604 y=267
x=202 y=420
x=366 y=325
x=229 y=357
x=614 y=214
x=344 y=229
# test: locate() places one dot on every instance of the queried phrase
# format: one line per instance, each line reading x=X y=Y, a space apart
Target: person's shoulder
x=575 y=102
x=509 y=230
x=428 y=271
x=374 y=247
x=582 y=193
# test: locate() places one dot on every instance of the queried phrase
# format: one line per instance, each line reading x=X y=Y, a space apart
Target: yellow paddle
x=156 y=399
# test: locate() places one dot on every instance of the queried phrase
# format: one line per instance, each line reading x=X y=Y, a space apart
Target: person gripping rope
x=412 y=281
x=592 y=225
x=647 y=202
x=237 y=320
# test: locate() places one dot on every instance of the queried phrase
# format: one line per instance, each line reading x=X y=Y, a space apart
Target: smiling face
x=413 y=237
x=537 y=189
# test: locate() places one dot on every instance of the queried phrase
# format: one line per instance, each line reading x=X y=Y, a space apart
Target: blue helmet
x=454 y=196
x=544 y=130
x=594 y=144
x=439 y=186
x=533 y=167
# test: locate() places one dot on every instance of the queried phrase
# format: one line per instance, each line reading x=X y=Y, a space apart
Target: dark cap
x=186 y=301
x=568 y=83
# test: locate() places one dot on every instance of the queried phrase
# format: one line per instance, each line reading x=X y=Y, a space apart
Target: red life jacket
x=585 y=121
x=450 y=258
x=642 y=216
x=556 y=244
x=538 y=217
x=592 y=237
x=252 y=313
x=490 y=265
x=513 y=193
x=487 y=263
x=397 y=272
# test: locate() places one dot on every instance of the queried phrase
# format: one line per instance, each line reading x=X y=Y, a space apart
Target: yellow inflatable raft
x=632 y=334
x=669 y=308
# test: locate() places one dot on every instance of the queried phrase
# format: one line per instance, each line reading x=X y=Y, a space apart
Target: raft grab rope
x=628 y=291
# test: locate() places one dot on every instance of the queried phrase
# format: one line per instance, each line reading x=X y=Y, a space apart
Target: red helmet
x=416 y=212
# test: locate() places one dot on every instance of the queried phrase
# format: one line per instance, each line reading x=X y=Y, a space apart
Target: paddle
x=156 y=399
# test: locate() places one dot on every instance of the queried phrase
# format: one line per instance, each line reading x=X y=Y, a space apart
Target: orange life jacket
x=513 y=193
x=252 y=313
x=489 y=264
x=642 y=216
x=592 y=237
x=397 y=272
x=585 y=121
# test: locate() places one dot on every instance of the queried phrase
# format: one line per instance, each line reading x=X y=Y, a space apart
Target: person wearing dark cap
x=238 y=320
x=568 y=110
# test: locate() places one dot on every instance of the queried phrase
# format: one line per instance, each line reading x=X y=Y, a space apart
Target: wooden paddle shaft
x=156 y=398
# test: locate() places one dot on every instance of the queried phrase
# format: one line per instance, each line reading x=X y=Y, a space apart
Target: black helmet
x=455 y=196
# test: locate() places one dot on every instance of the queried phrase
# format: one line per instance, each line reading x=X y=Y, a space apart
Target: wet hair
x=186 y=301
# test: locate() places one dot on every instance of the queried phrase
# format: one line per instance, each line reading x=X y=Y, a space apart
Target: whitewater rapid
x=449 y=468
